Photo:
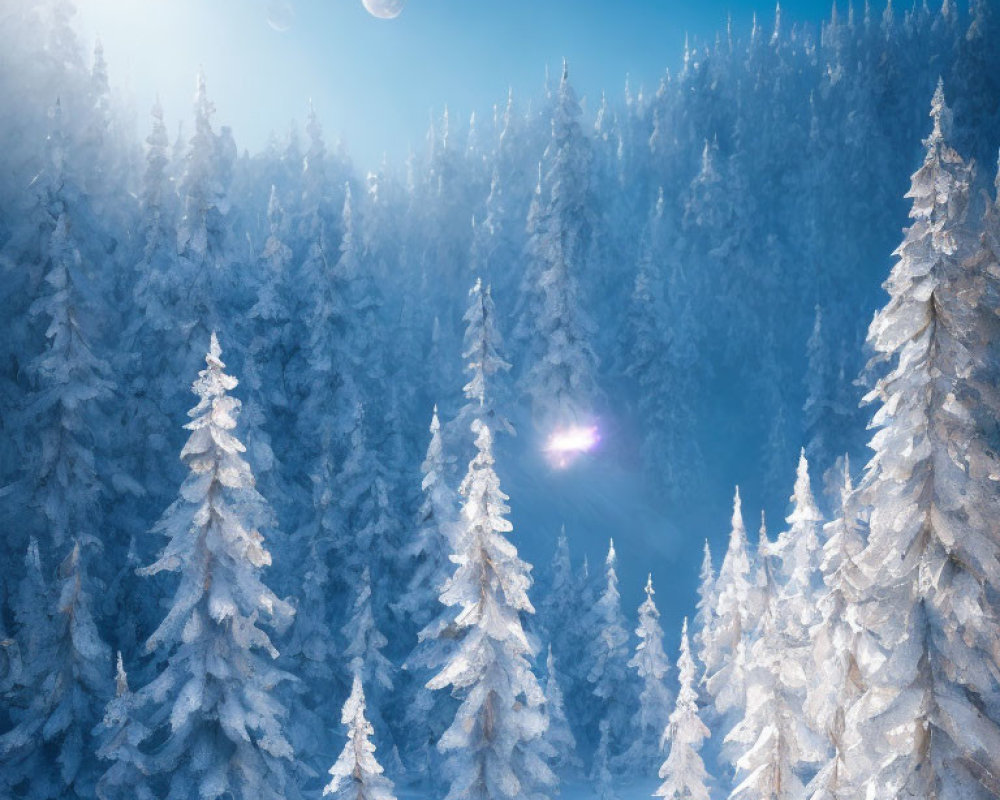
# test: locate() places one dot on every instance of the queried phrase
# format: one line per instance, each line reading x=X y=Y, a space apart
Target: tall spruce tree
x=203 y=235
x=800 y=551
x=927 y=718
x=121 y=735
x=683 y=771
x=558 y=735
x=606 y=661
x=772 y=741
x=495 y=744
x=60 y=421
x=562 y=376
x=704 y=620
x=838 y=647
x=651 y=666
x=798 y=583
x=47 y=753
x=432 y=542
x=153 y=331
x=482 y=351
x=212 y=705
x=555 y=608
x=428 y=713
x=357 y=775
x=725 y=664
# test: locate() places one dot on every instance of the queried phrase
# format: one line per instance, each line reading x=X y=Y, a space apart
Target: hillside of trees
x=273 y=433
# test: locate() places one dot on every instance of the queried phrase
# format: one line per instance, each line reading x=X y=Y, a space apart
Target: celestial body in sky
x=280 y=15
x=384 y=9
x=565 y=444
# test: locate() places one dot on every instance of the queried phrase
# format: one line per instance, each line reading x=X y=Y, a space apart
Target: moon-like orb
x=280 y=15
x=384 y=9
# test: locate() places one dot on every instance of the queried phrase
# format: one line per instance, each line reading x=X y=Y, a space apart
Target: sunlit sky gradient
x=376 y=82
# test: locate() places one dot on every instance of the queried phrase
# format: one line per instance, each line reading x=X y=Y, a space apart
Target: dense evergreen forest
x=395 y=373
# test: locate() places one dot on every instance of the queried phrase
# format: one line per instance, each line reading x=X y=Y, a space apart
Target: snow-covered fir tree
x=838 y=646
x=661 y=356
x=704 y=620
x=564 y=595
x=646 y=337
x=758 y=578
x=315 y=185
x=777 y=449
x=121 y=735
x=365 y=641
x=357 y=774
x=213 y=702
x=651 y=666
x=203 y=233
x=726 y=657
x=330 y=383
x=606 y=661
x=558 y=735
x=32 y=622
x=772 y=742
x=683 y=771
x=365 y=516
x=151 y=373
x=800 y=552
x=271 y=312
x=927 y=718
x=495 y=745
x=558 y=600
x=431 y=545
x=602 y=777
x=48 y=751
x=829 y=416
x=311 y=646
x=428 y=713
x=482 y=351
x=529 y=288
x=59 y=424
x=575 y=634
x=363 y=652
x=270 y=474
x=561 y=378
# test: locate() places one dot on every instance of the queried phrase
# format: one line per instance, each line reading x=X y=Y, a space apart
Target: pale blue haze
x=377 y=82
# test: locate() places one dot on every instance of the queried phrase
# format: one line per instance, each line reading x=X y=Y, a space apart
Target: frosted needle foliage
x=213 y=700
x=683 y=771
x=929 y=716
x=357 y=775
x=495 y=747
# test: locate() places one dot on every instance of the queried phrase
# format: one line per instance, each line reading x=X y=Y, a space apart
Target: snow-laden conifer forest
x=417 y=479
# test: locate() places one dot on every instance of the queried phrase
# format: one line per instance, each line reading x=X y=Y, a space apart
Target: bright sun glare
x=566 y=444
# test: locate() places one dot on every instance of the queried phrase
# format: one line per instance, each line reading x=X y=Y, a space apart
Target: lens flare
x=566 y=444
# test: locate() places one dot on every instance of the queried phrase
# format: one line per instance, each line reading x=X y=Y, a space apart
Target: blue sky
x=376 y=82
